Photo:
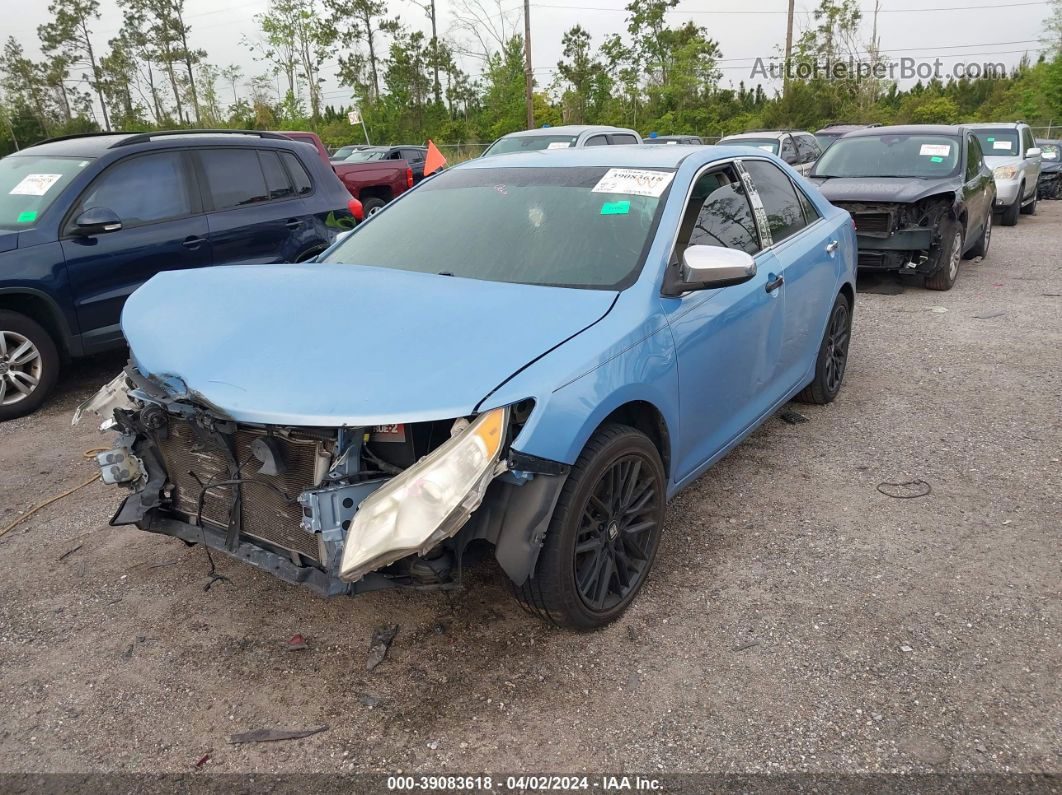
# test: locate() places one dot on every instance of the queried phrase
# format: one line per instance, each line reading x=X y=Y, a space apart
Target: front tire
x=948 y=269
x=603 y=535
x=833 y=356
x=1030 y=208
x=372 y=205
x=29 y=365
x=1010 y=215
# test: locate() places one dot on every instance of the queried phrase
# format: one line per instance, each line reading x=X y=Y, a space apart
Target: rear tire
x=29 y=365
x=833 y=356
x=980 y=248
x=372 y=205
x=603 y=535
x=1010 y=215
x=948 y=271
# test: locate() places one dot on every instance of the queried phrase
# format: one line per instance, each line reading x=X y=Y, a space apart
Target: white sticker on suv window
x=634 y=181
x=1001 y=145
x=35 y=184
x=935 y=150
x=558 y=145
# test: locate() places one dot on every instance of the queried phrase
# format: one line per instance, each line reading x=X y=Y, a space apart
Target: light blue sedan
x=535 y=352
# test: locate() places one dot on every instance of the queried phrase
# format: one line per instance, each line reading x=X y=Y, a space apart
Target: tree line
x=410 y=85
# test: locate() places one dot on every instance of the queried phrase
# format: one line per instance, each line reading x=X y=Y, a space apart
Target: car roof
x=763 y=134
x=997 y=125
x=910 y=129
x=99 y=144
x=565 y=129
x=621 y=156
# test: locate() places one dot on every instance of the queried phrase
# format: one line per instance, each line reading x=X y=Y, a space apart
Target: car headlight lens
x=427 y=502
x=1005 y=172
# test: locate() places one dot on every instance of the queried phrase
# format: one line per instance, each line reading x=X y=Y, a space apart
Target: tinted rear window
x=234 y=177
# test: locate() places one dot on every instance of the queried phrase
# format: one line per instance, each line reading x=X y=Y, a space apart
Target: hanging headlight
x=426 y=503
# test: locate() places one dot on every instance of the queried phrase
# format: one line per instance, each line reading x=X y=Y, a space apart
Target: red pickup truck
x=374 y=183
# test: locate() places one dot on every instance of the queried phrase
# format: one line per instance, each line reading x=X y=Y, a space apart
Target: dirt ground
x=797 y=618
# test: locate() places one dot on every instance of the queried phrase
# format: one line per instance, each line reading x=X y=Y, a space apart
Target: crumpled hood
x=901 y=190
x=331 y=345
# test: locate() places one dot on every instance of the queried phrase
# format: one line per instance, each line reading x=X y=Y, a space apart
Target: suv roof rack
x=851 y=124
x=771 y=129
x=72 y=136
x=140 y=138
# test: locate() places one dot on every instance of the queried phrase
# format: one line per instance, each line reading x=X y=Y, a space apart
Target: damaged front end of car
x=341 y=510
x=906 y=237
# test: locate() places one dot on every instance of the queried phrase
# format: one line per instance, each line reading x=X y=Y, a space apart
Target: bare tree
x=488 y=23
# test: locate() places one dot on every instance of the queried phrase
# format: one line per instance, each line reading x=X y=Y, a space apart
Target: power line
x=682 y=12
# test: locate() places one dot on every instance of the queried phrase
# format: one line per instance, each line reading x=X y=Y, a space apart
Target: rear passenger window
x=597 y=140
x=785 y=215
x=234 y=177
x=718 y=214
x=299 y=178
x=277 y=182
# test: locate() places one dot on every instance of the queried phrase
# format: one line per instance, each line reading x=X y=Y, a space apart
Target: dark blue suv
x=85 y=220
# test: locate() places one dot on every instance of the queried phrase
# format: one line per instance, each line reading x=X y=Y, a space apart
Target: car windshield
x=344 y=152
x=548 y=226
x=998 y=143
x=825 y=139
x=29 y=185
x=889 y=155
x=365 y=155
x=766 y=144
x=529 y=143
x=1050 y=151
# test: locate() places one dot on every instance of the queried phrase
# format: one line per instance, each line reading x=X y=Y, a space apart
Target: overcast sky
x=745 y=29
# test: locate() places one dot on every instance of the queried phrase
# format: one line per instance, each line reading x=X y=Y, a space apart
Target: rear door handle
x=293 y=223
x=832 y=246
x=193 y=242
x=774 y=285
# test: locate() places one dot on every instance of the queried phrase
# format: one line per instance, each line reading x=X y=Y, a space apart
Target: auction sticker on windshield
x=634 y=181
x=35 y=184
x=935 y=150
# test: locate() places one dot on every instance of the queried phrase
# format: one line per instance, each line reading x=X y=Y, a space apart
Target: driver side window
x=718 y=214
x=143 y=189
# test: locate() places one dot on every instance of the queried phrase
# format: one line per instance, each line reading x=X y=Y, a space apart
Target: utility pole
x=788 y=46
x=529 y=75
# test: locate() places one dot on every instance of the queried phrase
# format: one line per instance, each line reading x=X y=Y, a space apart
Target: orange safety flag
x=435 y=160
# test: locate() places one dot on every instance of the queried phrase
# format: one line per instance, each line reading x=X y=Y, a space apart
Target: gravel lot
x=797 y=618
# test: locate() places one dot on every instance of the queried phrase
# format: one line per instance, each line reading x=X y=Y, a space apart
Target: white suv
x=1015 y=159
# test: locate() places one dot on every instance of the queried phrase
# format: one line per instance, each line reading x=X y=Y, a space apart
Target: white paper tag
x=935 y=150
x=558 y=145
x=671 y=142
x=35 y=184
x=1001 y=145
x=633 y=181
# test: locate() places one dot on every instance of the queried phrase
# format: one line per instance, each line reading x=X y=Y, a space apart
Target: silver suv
x=567 y=136
x=1015 y=159
x=796 y=147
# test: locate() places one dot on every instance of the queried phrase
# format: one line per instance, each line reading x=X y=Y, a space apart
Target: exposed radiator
x=265 y=514
x=872 y=223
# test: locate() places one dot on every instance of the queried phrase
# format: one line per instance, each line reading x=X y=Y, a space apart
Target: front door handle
x=193 y=242
x=832 y=246
x=293 y=223
x=775 y=284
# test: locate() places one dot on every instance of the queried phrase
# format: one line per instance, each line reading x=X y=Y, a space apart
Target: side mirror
x=708 y=267
x=1034 y=152
x=97 y=221
x=356 y=209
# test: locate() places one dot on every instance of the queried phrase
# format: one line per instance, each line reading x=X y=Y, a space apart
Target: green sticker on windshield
x=616 y=208
x=936 y=160
x=990 y=139
x=27 y=217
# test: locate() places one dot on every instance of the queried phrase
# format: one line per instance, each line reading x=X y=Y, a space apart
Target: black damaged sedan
x=921 y=197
